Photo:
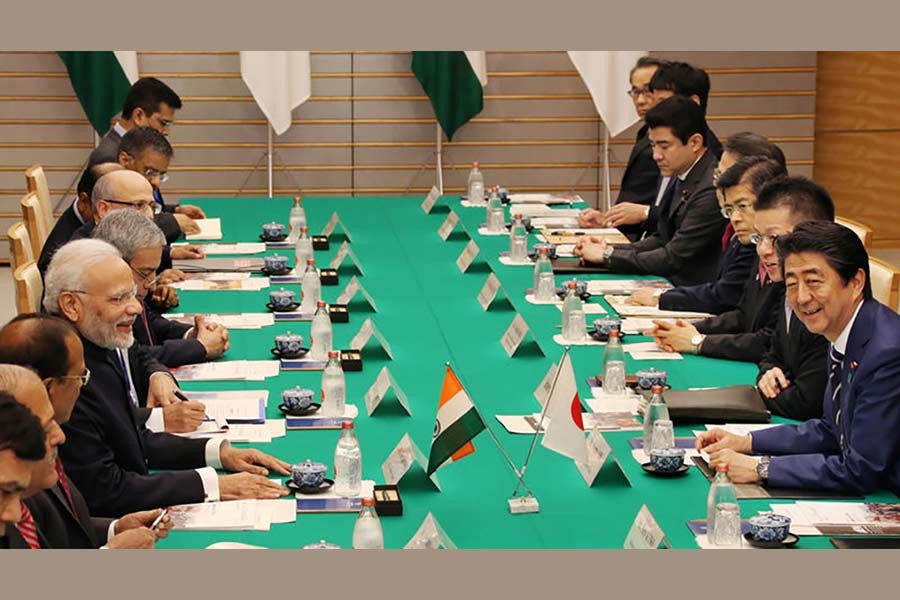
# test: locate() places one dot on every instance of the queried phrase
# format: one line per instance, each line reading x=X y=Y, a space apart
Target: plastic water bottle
x=320 y=336
x=494 y=220
x=297 y=220
x=723 y=514
x=573 y=324
x=544 y=281
x=347 y=463
x=654 y=412
x=310 y=287
x=367 y=533
x=334 y=388
x=518 y=240
x=614 y=365
x=476 y=185
x=303 y=248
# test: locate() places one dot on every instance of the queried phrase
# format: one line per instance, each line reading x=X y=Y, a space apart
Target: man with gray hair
x=109 y=454
x=141 y=243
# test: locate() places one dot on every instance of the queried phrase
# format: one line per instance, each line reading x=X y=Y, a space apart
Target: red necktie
x=726 y=238
x=64 y=484
x=147 y=326
x=27 y=529
x=763 y=276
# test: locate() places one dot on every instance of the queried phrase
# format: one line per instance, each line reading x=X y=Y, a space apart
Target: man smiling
x=854 y=447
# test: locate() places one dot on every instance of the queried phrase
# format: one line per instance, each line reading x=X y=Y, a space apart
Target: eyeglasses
x=118 y=300
x=85 y=379
x=150 y=173
x=150 y=282
x=143 y=205
x=636 y=93
x=757 y=238
x=743 y=208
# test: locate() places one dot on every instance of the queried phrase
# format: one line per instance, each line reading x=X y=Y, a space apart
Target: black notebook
x=866 y=543
x=568 y=266
x=732 y=404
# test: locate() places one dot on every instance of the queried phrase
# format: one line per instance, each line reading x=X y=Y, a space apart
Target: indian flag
x=457 y=424
x=101 y=80
x=453 y=81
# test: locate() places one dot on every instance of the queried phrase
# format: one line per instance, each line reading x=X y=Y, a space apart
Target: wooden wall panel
x=368 y=129
x=858 y=137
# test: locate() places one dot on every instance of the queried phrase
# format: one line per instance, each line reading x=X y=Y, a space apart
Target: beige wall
x=368 y=127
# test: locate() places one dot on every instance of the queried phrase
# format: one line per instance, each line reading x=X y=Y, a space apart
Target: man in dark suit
x=745 y=333
x=688 y=238
x=110 y=453
x=21 y=449
x=737 y=189
x=80 y=213
x=140 y=243
x=54 y=515
x=854 y=446
x=149 y=103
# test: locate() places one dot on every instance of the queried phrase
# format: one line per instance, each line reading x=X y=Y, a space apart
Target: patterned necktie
x=64 y=484
x=132 y=395
x=28 y=529
x=834 y=377
x=147 y=327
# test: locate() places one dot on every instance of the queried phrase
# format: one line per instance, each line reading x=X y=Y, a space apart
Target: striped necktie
x=834 y=377
x=28 y=529
x=64 y=484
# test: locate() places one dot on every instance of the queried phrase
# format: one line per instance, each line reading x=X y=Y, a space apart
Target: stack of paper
x=624 y=286
x=637 y=325
x=230 y=320
x=254 y=284
x=238 y=248
x=539 y=210
x=236 y=406
x=548 y=199
x=210 y=229
x=252 y=433
x=232 y=370
x=650 y=351
x=233 y=515
x=841 y=518
x=219 y=275
x=607 y=421
x=620 y=305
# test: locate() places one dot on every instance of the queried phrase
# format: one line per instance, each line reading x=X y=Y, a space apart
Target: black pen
x=184 y=398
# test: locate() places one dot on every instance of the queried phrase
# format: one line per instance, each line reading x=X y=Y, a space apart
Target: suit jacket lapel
x=690 y=183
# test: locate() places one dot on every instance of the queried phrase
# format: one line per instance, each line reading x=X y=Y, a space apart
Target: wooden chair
x=885 y=283
x=29 y=288
x=20 y=249
x=35 y=221
x=36 y=180
x=863 y=231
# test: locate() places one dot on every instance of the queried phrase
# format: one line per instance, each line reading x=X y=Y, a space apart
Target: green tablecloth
x=428 y=312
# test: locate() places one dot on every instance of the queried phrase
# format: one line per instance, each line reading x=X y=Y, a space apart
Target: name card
x=448 y=225
x=333 y=222
x=379 y=389
x=514 y=335
x=488 y=291
x=542 y=392
x=431 y=199
x=645 y=533
x=339 y=256
x=598 y=450
x=365 y=333
x=468 y=255
x=354 y=287
x=430 y=536
x=404 y=455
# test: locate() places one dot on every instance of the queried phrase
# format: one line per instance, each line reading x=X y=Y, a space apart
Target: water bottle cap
x=613 y=333
x=310 y=261
x=321 y=304
x=348 y=425
x=476 y=164
x=518 y=215
x=496 y=188
x=304 y=229
x=571 y=285
x=333 y=354
x=544 y=250
x=656 y=389
x=296 y=198
x=722 y=468
x=368 y=501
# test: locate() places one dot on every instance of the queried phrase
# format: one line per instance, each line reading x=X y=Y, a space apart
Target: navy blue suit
x=717 y=296
x=811 y=455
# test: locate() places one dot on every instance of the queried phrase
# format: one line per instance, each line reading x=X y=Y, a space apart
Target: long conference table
x=428 y=311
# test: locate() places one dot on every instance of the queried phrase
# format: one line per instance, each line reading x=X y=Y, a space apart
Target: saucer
x=280 y=238
x=294 y=306
x=266 y=271
x=323 y=487
x=561 y=293
x=302 y=412
x=787 y=542
x=652 y=470
x=300 y=354
x=604 y=338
